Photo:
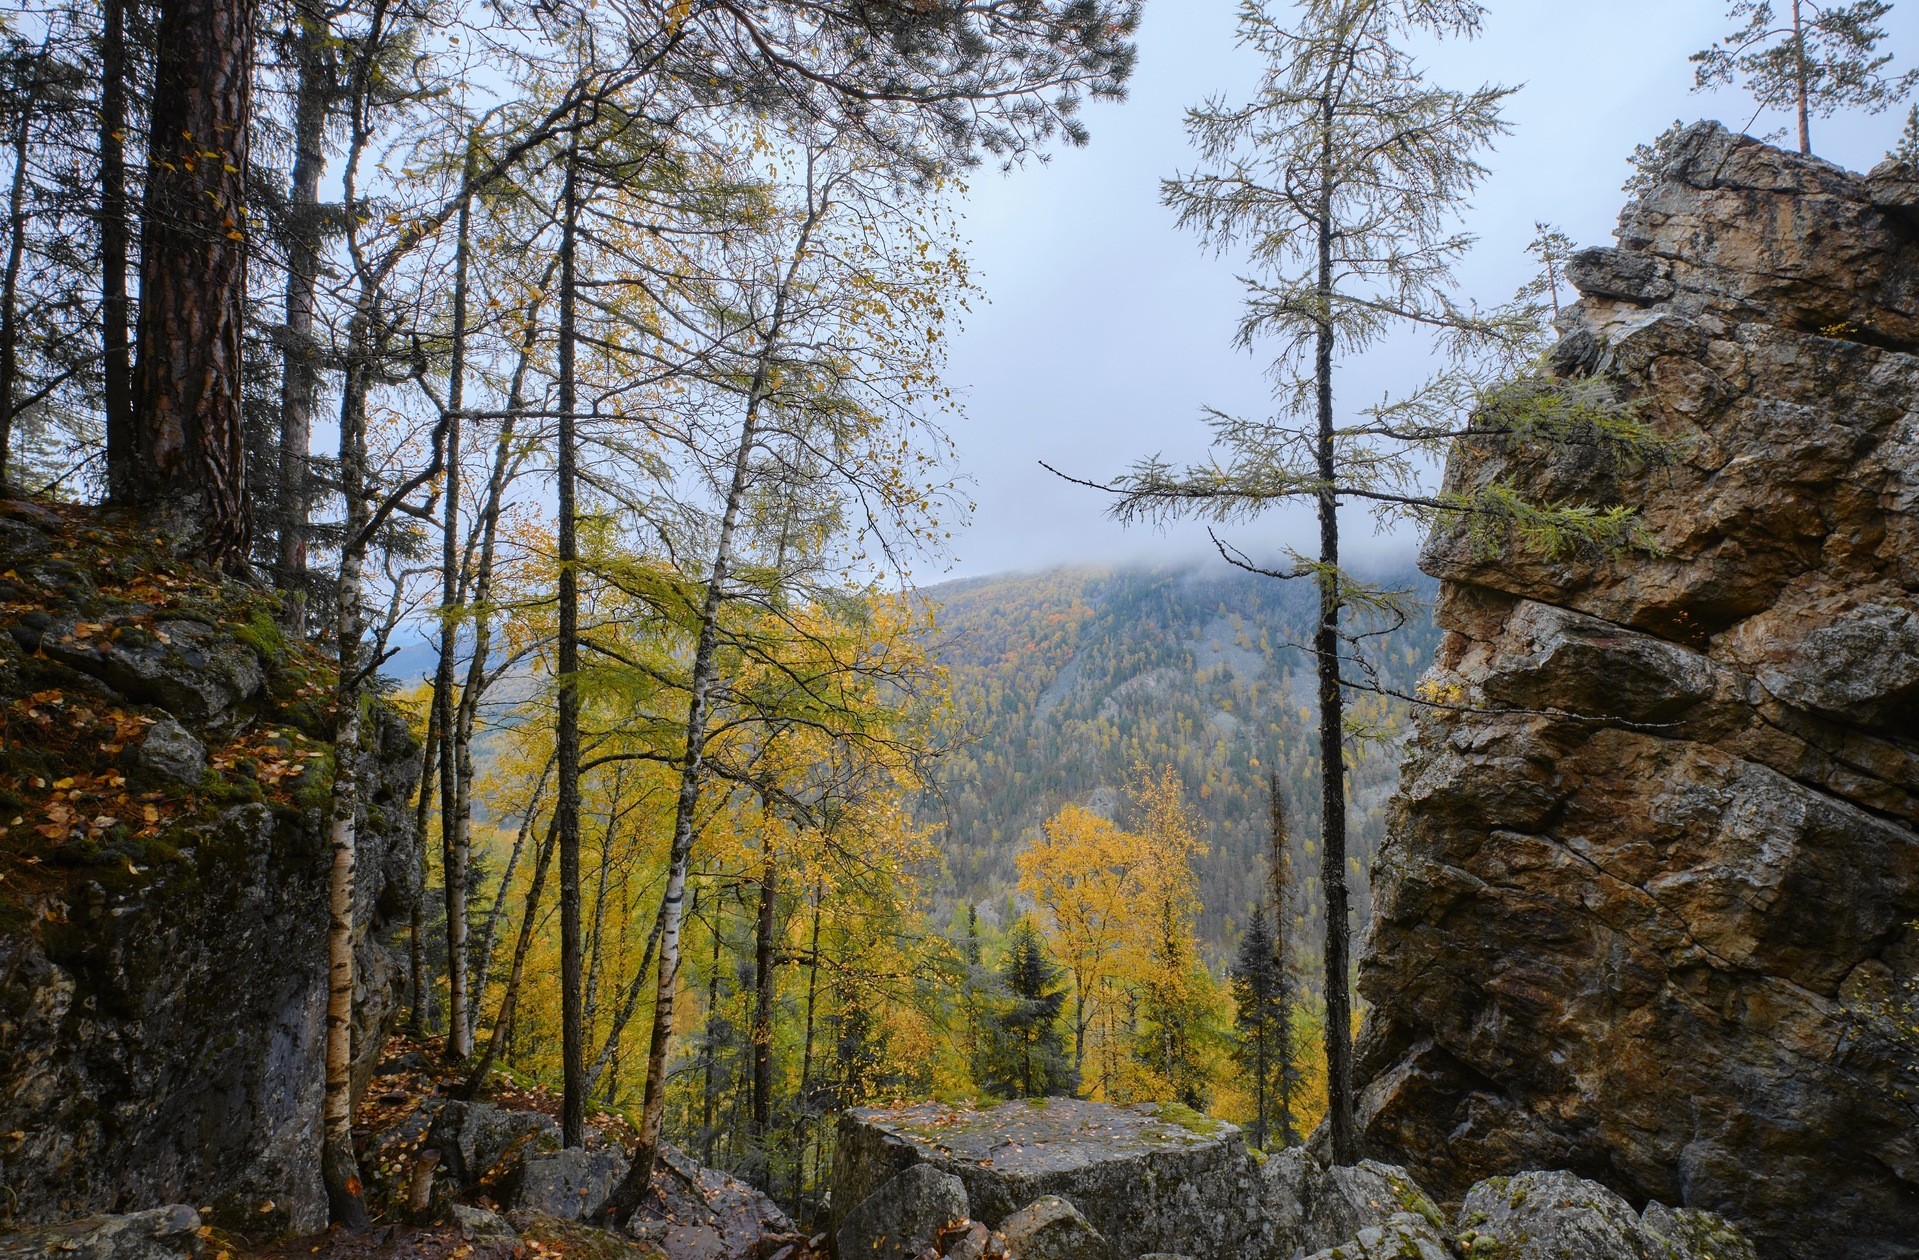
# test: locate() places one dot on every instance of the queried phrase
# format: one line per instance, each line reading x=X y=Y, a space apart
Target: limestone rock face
x=1642 y=896
x=163 y=987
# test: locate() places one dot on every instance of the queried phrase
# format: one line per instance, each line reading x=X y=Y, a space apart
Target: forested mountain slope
x=1066 y=682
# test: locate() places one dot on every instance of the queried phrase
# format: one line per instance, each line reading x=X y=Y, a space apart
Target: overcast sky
x=1105 y=329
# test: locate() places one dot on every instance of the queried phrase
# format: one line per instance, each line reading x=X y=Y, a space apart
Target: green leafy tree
x=1026 y=1048
x=1812 y=58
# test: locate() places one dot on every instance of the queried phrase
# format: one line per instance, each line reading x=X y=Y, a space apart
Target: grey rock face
x=1550 y=1216
x=162 y=1025
x=1145 y=1182
x=1053 y=1229
x=165 y=1233
x=1343 y=1203
x=1689 y=1234
x=1402 y=1236
x=705 y=1214
x=1636 y=897
x=900 y=1217
x=168 y=754
x=473 y=1137
x=570 y=1185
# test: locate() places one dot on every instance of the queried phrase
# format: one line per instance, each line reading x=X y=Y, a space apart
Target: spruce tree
x=1259 y=1016
x=1027 y=1055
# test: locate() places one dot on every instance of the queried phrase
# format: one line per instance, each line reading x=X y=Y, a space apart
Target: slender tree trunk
x=763 y=963
x=338 y=1165
x=610 y=1048
x=420 y=1018
x=1802 y=73
x=299 y=368
x=466 y=716
x=501 y=1041
x=453 y=850
x=191 y=443
x=707 y=1132
x=482 y=964
x=10 y=286
x=567 y=814
x=595 y=936
x=1326 y=641
x=703 y=675
x=806 y=1040
x=116 y=343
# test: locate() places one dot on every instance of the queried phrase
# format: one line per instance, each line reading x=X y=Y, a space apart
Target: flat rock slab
x=164 y=1233
x=1147 y=1178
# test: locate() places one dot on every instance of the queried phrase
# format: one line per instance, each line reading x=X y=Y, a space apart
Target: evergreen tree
x=1907 y=150
x=1812 y=58
x=1259 y=1015
x=1026 y=1049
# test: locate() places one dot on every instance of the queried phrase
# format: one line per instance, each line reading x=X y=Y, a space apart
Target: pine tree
x=1812 y=58
x=1907 y=150
x=1027 y=1048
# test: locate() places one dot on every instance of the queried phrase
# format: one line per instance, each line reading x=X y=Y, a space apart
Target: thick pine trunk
x=299 y=369
x=116 y=343
x=189 y=439
x=567 y=814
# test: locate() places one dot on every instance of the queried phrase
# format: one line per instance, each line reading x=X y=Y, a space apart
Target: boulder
x=1341 y=1204
x=1050 y=1228
x=165 y=1233
x=1550 y=1216
x=168 y=754
x=700 y=1213
x=1689 y=1234
x=191 y=669
x=478 y=1224
x=569 y=1185
x=1401 y=1236
x=1645 y=888
x=474 y=1137
x=1147 y=1178
x=902 y=1215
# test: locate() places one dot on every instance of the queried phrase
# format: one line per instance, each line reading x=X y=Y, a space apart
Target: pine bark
x=189 y=439
x=116 y=343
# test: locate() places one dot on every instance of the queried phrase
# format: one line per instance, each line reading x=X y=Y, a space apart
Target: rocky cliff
x=1644 y=898
x=163 y=768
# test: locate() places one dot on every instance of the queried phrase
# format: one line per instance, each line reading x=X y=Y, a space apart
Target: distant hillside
x=1065 y=681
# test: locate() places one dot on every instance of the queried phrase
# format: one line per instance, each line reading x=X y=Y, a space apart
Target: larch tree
x=1341 y=183
x=1807 y=57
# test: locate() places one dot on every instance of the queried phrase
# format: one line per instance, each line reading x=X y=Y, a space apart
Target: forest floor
x=390 y=1133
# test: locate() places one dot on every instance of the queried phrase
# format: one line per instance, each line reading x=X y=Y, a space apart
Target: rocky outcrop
x=951 y=1164
x=163 y=769
x=1647 y=886
x=1144 y=1179
x=163 y=1233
